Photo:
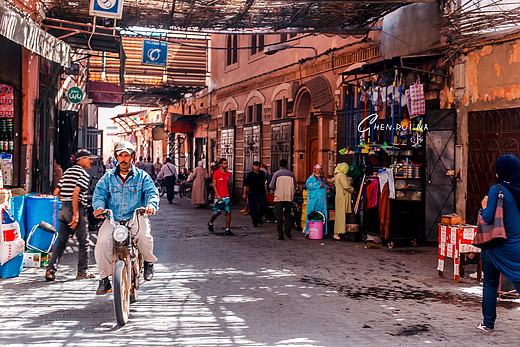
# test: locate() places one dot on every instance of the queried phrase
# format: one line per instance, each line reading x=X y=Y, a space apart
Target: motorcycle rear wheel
x=121 y=292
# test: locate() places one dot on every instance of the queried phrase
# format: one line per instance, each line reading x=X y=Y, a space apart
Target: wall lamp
x=270 y=50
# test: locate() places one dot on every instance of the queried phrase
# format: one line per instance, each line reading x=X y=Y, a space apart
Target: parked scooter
x=297 y=209
x=159 y=183
x=128 y=264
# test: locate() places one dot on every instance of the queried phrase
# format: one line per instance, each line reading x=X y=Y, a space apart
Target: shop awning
x=105 y=93
x=382 y=66
x=181 y=127
x=85 y=35
x=28 y=34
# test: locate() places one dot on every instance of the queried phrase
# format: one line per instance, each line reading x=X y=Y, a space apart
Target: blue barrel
x=12 y=268
x=41 y=208
x=18 y=209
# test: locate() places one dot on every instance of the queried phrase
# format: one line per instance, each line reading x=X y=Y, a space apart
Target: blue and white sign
x=155 y=52
x=106 y=8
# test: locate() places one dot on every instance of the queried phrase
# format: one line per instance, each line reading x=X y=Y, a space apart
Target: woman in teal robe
x=316 y=196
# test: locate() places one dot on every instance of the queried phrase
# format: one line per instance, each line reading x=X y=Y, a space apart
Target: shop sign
x=155 y=52
x=106 y=8
x=75 y=95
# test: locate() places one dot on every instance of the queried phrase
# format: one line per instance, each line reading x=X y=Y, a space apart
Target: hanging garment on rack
x=387 y=175
x=384 y=212
x=372 y=193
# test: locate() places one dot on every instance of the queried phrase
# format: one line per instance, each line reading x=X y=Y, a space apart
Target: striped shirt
x=73 y=177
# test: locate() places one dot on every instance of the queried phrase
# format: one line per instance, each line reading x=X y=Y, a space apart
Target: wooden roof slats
x=237 y=14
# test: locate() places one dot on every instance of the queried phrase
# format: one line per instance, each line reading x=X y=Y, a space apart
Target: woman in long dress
x=316 y=195
x=503 y=259
x=343 y=199
x=198 y=190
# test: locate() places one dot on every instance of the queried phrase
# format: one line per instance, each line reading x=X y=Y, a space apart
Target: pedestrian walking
x=283 y=183
x=316 y=195
x=148 y=167
x=140 y=163
x=169 y=172
x=222 y=201
x=198 y=190
x=503 y=259
x=57 y=173
x=157 y=167
x=109 y=165
x=72 y=190
x=254 y=192
x=343 y=201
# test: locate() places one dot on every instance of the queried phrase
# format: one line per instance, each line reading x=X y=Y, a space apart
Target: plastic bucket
x=41 y=208
x=316 y=230
x=12 y=268
x=18 y=209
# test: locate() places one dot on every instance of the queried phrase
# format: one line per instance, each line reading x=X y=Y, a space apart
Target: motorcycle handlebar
x=107 y=213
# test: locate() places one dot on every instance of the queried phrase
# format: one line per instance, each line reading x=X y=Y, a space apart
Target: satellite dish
x=158 y=133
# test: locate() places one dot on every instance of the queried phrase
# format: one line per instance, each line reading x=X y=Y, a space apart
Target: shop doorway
x=491 y=134
x=281 y=143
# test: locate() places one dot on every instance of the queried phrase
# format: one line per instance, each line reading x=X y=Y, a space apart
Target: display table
x=455 y=240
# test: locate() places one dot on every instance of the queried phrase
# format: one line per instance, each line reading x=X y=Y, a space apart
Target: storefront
x=10 y=109
x=394 y=130
x=24 y=51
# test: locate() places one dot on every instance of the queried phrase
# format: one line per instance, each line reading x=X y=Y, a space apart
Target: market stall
x=394 y=130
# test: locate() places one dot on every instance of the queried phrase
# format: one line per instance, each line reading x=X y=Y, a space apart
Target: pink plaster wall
x=493 y=73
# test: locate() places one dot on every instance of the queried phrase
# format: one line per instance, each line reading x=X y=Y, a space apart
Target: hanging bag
x=494 y=234
x=415 y=100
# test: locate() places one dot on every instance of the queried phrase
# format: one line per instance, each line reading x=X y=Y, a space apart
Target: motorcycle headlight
x=120 y=233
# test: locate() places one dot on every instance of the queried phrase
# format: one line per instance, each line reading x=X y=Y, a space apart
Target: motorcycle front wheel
x=121 y=292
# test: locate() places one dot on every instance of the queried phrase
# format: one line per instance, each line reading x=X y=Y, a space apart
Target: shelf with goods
x=7 y=114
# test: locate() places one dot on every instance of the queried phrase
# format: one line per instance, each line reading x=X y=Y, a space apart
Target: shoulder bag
x=494 y=234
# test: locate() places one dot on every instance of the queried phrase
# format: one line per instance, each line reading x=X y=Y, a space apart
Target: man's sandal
x=49 y=275
x=85 y=275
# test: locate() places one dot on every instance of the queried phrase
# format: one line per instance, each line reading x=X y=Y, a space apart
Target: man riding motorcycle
x=123 y=189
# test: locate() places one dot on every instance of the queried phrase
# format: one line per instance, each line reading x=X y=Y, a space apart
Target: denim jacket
x=138 y=191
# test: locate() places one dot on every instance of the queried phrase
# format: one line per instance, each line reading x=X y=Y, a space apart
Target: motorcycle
x=159 y=183
x=128 y=264
x=297 y=209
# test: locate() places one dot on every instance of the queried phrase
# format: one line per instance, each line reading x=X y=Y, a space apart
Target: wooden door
x=313 y=155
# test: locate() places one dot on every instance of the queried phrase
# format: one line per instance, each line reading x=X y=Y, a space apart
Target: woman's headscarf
x=508 y=172
x=341 y=168
x=316 y=167
x=200 y=163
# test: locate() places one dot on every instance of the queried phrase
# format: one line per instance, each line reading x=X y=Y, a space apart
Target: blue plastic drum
x=18 y=209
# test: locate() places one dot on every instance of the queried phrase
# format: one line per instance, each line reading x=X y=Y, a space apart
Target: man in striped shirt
x=71 y=190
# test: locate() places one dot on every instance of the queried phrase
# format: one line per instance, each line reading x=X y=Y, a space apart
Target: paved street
x=253 y=290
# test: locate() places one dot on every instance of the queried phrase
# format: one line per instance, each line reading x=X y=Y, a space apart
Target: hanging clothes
x=387 y=175
x=384 y=212
x=316 y=199
x=343 y=198
x=372 y=194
